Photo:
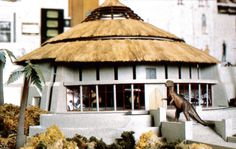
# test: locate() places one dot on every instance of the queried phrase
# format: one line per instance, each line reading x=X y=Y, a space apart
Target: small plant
x=127 y=141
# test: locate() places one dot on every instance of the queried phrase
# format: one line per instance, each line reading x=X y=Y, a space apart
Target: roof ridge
x=115 y=37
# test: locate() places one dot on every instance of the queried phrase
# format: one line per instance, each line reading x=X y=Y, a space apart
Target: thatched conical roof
x=111 y=3
x=114 y=33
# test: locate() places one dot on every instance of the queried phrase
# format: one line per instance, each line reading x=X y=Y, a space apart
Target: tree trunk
x=1 y=84
x=20 y=137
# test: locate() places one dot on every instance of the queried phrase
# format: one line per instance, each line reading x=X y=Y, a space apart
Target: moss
x=148 y=140
x=9 y=114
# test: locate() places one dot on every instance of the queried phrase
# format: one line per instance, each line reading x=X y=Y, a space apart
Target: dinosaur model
x=182 y=105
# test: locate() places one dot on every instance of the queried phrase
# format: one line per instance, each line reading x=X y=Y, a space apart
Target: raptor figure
x=182 y=105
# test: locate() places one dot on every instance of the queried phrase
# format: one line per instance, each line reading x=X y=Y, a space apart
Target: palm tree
x=32 y=75
x=3 y=53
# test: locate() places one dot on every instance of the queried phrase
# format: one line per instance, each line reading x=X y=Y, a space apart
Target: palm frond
x=34 y=73
x=39 y=73
x=15 y=75
x=10 y=55
x=2 y=57
x=28 y=70
x=35 y=80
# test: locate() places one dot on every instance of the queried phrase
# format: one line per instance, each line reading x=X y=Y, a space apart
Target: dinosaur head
x=169 y=83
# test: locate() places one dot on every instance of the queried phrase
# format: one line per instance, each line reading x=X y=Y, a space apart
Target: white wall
x=89 y=74
x=185 y=71
x=140 y=72
x=125 y=73
x=194 y=72
x=228 y=78
x=160 y=72
x=26 y=11
x=107 y=73
x=173 y=72
x=153 y=96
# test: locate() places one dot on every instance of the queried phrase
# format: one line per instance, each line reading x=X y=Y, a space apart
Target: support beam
x=81 y=98
x=189 y=93
x=132 y=96
x=114 y=95
x=207 y=95
x=199 y=94
x=97 y=98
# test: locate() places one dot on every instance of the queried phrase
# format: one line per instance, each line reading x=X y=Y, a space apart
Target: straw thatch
x=120 y=51
x=117 y=40
x=124 y=27
x=108 y=3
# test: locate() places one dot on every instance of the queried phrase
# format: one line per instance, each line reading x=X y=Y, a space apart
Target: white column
x=177 y=88
x=189 y=92
x=114 y=95
x=207 y=95
x=81 y=98
x=132 y=96
x=97 y=98
x=199 y=94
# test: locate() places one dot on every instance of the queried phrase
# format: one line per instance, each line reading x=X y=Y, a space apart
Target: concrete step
x=107 y=126
x=107 y=134
x=95 y=120
x=206 y=135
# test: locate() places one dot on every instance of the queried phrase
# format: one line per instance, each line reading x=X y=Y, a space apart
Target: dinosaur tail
x=194 y=115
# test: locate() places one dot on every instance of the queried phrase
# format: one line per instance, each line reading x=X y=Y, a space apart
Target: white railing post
x=199 y=94
x=81 y=98
x=114 y=95
x=132 y=96
x=189 y=93
x=97 y=98
x=207 y=95
x=177 y=88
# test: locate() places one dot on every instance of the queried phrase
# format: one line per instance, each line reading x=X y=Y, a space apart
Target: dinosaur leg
x=186 y=111
x=177 y=114
x=187 y=116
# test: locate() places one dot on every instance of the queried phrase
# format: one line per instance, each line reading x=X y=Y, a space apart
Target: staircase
x=107 y=126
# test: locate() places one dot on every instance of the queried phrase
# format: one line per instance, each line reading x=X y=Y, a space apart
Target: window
x=5 y=31
x=150 y=73
x=52 y=23
x=224 y=52
x=29 y=28
x=221 y=1
x=201 y=3
x=180 y=2
x=124 y=97
x=204 y=24
x=105 y=97
x=36 y=101
x=197 y=94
